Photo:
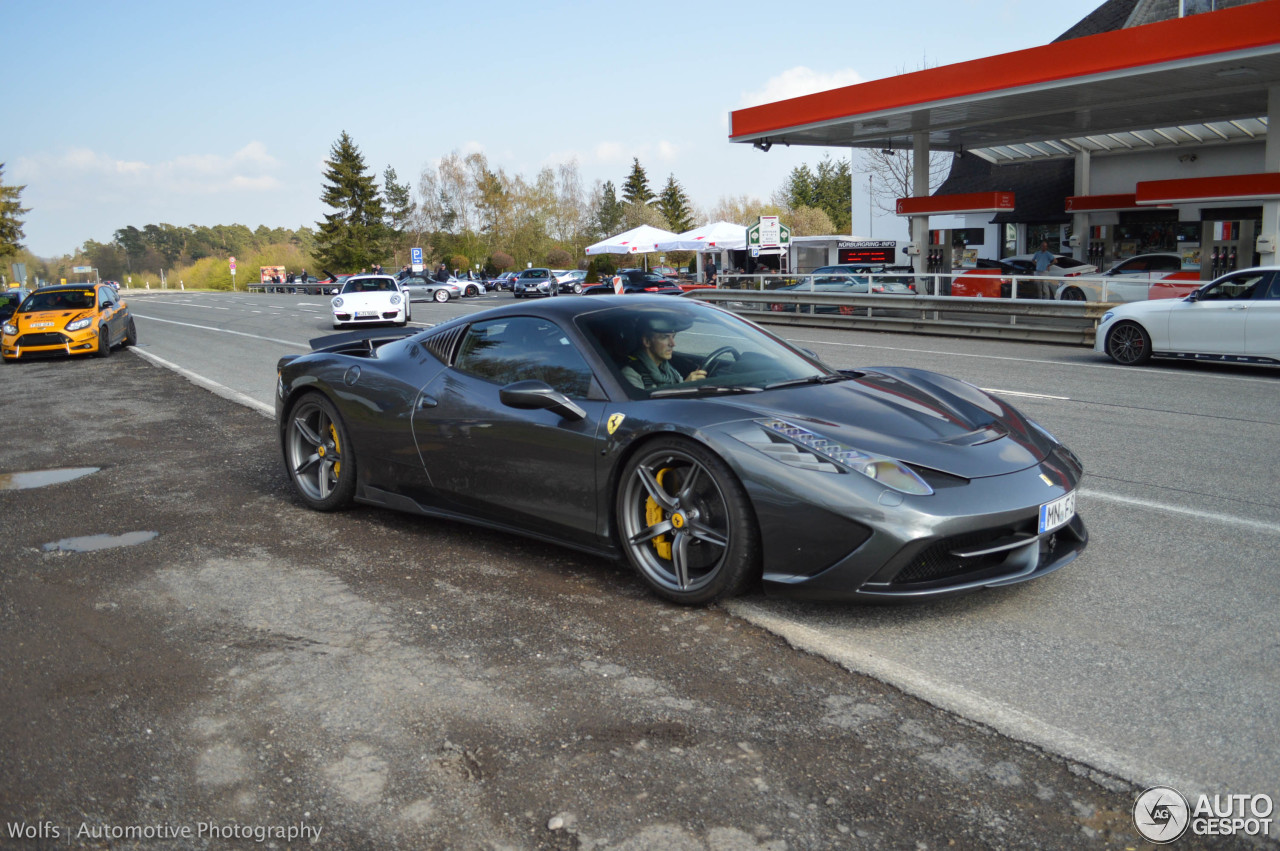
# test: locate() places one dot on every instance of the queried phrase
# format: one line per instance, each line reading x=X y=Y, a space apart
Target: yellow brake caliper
x=653 y=515
x=337 y=448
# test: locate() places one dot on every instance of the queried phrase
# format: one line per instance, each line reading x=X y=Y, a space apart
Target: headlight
x=1107 y=317
x=395 y=299
x=10 y=329
x=80 y=323
x=800 y=447
x=337 y=302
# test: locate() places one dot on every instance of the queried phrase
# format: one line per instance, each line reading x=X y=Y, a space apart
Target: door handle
x=425 y=401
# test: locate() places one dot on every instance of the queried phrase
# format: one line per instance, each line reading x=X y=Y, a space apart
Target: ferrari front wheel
x=317 y=454
x=685 y=523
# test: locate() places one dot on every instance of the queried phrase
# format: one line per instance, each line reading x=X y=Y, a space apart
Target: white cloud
x=666 y=151
x=799 y=81
x=610 y=152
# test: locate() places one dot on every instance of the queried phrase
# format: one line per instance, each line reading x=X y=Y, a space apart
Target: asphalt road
x=1156 y=657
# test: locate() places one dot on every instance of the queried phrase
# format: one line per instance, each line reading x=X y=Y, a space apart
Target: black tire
x=1129 y=344
x=104 y=342
x=441 y=295
x=130 y=334
x=317 y=454
x=685 y=523
x=472 y=291
x=1072 y=294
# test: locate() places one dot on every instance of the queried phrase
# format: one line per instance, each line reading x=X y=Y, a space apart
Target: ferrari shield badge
x=615 y=420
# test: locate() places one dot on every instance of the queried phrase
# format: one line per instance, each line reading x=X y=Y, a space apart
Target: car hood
x=363 y=299
x=915 y=416
x=1153 y=307
x=58 y=318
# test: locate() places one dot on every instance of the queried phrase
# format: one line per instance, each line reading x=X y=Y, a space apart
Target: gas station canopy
x=1203 y=79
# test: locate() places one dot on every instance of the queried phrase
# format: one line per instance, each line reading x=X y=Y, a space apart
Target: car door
x=535 y=468
x=1214 y=322
x=112 y=316
x=1262 y=324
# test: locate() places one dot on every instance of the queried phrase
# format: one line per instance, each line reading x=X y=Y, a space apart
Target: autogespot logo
x=1161 y=814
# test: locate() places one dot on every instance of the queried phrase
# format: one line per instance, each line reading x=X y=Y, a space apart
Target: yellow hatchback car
x=72 y=319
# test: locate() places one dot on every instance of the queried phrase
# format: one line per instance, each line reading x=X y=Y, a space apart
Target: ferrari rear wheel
x=104 y=342
x=686 y=524
x=317 y=454
x=1129 y=344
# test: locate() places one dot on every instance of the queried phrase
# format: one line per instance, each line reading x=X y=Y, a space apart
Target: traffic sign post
x=233 y=274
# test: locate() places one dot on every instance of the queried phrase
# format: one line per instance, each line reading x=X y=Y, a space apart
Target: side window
x=1236 y=288
x=104 y=298
x=1166 y=264
x=522 y=348
x=1274 y=292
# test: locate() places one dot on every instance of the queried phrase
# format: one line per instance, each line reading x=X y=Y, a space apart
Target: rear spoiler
x=373 y=337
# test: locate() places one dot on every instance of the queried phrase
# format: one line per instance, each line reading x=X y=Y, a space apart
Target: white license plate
x=41 y=324
x=1056 y=513
x=366 y=314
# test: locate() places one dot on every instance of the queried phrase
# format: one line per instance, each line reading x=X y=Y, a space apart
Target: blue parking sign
x=415 y=256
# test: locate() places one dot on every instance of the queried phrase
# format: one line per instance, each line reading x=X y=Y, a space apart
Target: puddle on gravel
x=90 y=543
x=41 y=478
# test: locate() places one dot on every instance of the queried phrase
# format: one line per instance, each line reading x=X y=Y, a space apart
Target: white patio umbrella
x=717 y=236
x=640 y=240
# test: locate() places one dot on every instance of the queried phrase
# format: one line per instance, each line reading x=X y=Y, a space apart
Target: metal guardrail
x=291 y=289
x=1036 y=320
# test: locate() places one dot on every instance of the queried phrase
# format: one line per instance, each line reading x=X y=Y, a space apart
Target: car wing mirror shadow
x=532 y=394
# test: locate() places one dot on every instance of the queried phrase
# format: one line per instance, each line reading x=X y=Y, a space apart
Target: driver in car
x=649 y=366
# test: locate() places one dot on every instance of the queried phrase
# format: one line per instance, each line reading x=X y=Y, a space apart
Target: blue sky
x=139 y=113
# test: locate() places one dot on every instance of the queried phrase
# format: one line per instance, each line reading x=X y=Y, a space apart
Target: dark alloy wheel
x=104 y=342
x=685 y=523
x=317 y=455
x=1128 y=343
x=130 y=334
x=1072 y=294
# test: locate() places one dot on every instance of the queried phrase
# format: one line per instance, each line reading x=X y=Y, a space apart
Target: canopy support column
x=1271 y=163
x=1080 y=221
x=920 y=189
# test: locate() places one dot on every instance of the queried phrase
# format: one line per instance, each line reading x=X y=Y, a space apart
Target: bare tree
x=892 y=175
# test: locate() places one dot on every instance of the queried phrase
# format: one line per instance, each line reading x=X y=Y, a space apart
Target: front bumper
x=982 y=534
x=49 y=344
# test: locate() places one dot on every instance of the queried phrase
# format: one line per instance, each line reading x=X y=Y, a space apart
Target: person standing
x=711 y=271
x=1043 y=260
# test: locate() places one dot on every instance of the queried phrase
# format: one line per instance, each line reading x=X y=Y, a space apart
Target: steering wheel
x=709 y=364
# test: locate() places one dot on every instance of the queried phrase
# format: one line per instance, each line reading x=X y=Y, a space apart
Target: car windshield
x=59 y=300
x=370 y=285
x=736 y=355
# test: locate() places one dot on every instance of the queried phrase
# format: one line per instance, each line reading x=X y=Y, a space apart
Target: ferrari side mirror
x=531 y=394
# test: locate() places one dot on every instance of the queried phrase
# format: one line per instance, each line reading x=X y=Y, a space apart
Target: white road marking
x=1144 y=371
x=209 y=384
x=224 y=331
x=1182 y=511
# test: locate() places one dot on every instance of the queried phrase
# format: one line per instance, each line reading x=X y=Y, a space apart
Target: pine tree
x=399 y=201
x=609 y=215
x=11 y=212
x=636 y=190
x=674 y=205
x=354 y=235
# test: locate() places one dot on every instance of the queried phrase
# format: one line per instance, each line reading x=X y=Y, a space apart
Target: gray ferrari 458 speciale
x=708 y=453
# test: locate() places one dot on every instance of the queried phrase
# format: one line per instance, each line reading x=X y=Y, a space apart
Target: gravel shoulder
x=394 y=682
